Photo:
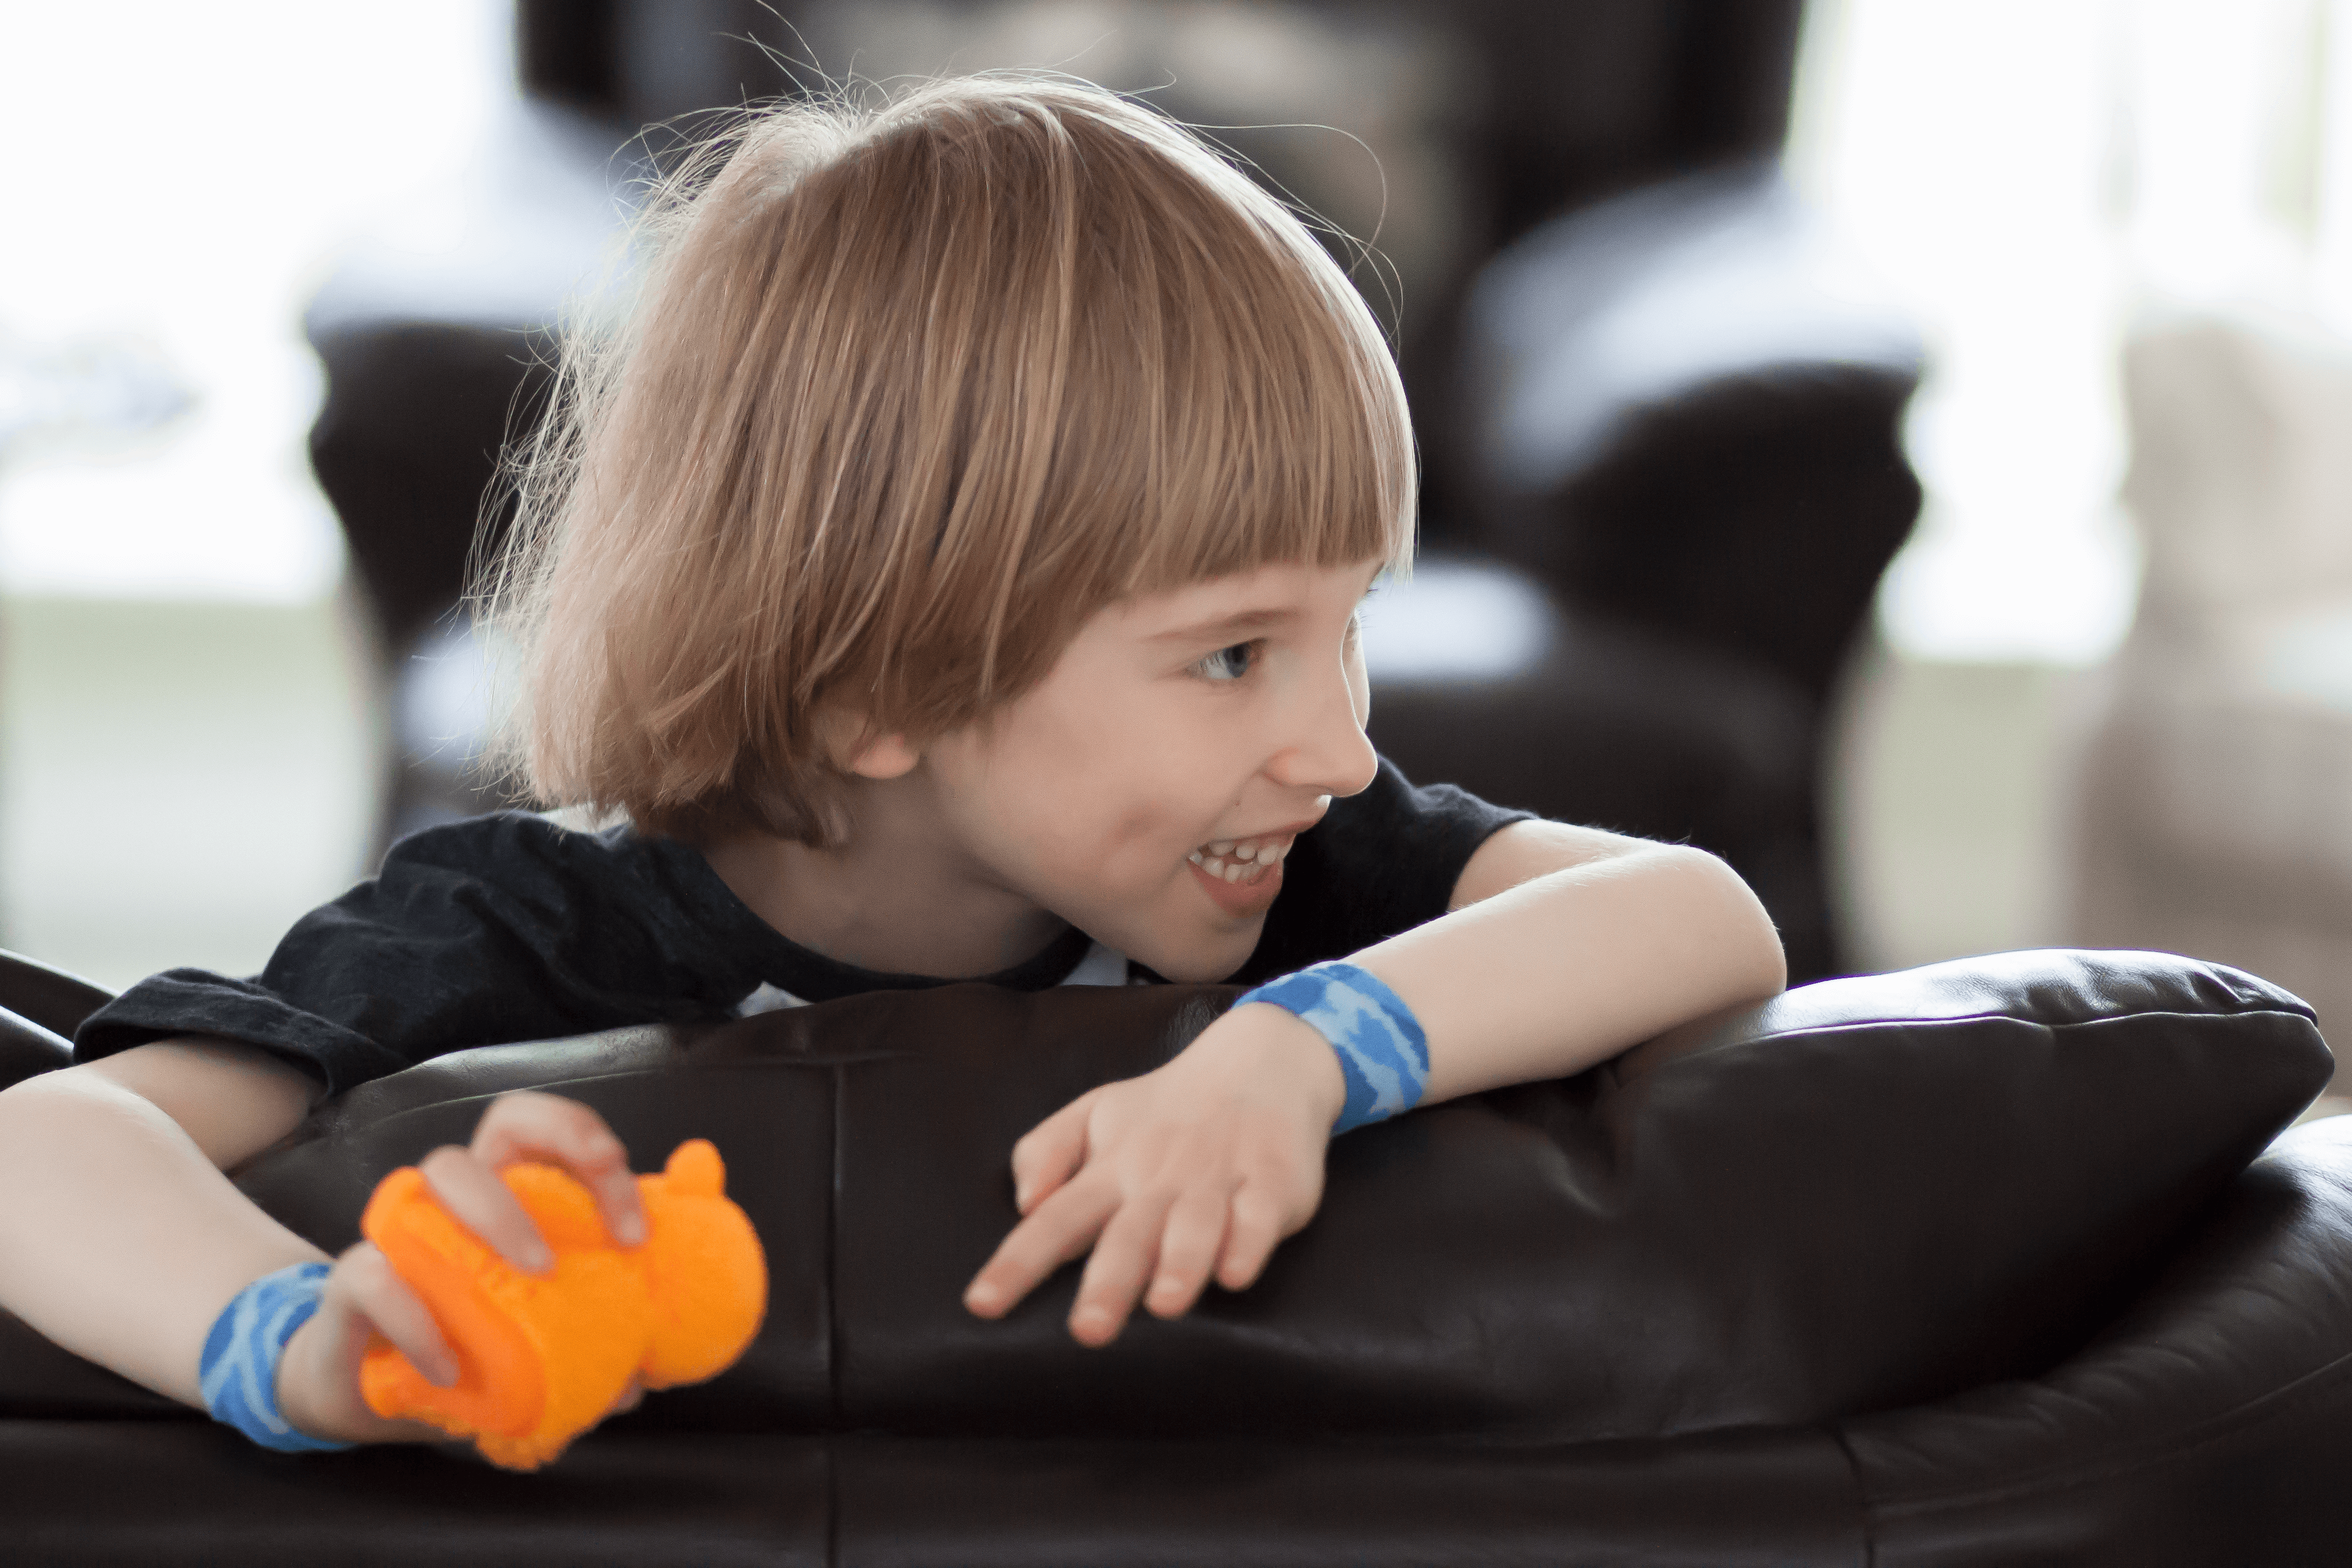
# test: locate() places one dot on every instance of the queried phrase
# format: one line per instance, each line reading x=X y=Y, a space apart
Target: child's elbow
x=1738 y=930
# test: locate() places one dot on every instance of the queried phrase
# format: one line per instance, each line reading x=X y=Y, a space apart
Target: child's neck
x=902 y=897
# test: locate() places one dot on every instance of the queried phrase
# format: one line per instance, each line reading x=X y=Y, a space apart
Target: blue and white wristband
x=1383 y=1052
x=238 y=1372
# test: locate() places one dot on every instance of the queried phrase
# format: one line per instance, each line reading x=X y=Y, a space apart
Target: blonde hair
x=909 y=392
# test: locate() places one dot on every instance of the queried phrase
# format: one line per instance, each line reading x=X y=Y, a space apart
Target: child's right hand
x=319 y=1374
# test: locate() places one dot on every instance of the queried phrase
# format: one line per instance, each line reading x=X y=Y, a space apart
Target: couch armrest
x=1685 y=404
x=51 y=998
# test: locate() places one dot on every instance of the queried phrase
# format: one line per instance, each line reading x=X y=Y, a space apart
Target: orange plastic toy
x=542 y=1358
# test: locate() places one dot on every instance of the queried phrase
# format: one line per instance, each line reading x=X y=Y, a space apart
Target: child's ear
x=884 y=757
x=853 y=750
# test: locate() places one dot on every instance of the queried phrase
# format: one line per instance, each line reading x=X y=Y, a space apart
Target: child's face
x=1175 y=732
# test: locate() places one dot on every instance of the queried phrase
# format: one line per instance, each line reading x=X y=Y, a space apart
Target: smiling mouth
x=1246 y=861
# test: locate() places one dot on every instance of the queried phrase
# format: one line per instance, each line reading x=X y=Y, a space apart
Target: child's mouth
x=1247 y=860
x=1241 y=878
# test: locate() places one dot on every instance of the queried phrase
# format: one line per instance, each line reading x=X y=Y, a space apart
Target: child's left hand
x=1202 y=1165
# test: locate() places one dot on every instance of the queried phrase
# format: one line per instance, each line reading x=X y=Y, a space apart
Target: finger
x=1189 y=1245
x=1052 y=1152
x=318 y=1371
x=1254 y=1228
x=476 y=1199
x=1061 y=1228
x=1124 y=1256
x=528 y=1125
x=366 y=1281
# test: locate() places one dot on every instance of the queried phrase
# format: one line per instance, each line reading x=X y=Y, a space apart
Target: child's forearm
x=1577 y=965
x=120 y=1240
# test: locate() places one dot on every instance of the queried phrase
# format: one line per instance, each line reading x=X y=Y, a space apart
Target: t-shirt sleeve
x=1379 y=863
x=489 y=931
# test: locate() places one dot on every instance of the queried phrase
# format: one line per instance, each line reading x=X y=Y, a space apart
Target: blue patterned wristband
x=1383 y=1054
x=239 y=1369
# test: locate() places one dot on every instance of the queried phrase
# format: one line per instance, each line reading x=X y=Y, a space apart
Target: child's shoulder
x=573 y=836
x=570 y=859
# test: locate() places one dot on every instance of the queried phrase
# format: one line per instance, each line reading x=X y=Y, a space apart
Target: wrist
x=1380 y=1049
x=297 y=1384
x=245 y=1356
x=315 y=1363
x=1266 y=1047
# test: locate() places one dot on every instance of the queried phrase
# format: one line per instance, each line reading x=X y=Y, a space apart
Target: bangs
x=1237 y=401
x=1222 y=401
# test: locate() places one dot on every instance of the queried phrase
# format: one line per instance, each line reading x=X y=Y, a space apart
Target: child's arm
x=1564 y=946
x=120 y=1239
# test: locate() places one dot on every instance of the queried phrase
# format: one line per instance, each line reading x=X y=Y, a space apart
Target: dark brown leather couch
x=1964 y=1265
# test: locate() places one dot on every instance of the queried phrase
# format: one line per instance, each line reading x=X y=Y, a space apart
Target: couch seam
x=833 y=1264
x=839 y=1074
x=1866 y=1515
x=832 y=1500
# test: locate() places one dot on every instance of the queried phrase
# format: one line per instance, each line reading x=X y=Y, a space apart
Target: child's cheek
x=1135 y=864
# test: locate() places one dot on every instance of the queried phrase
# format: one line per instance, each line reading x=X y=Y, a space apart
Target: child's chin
x=1207 y=960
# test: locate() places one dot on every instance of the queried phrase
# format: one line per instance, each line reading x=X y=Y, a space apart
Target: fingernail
x=632 y=1231
x=541 y=1260
x=444 y=1375
x=982 y=1298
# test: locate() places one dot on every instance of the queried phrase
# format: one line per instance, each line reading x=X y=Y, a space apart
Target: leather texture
x=25 y=1048
x=1960 y=1265
x=51 y=998
x=39 y=1007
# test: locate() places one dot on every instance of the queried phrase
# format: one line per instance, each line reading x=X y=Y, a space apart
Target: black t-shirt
x=509 y=928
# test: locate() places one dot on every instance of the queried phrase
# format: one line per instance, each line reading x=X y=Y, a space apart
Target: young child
x=951 y=570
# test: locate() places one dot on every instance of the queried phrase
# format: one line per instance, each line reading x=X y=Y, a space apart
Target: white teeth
x=1235 y=860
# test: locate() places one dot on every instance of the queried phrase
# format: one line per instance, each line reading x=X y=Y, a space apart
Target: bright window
x=2032 y=174
x=186 y=174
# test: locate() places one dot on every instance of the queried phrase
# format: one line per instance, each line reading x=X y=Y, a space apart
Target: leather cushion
x=1865 y=1194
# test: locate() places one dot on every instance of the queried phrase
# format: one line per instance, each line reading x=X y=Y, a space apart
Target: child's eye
x=1228 y=663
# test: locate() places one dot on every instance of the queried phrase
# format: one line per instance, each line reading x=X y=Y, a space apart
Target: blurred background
x=1897 y=446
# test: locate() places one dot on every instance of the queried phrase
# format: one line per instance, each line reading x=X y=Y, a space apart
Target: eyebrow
x=1229 y=626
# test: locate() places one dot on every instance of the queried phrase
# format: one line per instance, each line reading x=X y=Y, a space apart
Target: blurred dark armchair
x=1660 y=427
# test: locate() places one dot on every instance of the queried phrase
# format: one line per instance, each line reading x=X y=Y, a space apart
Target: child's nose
x=1331 y=752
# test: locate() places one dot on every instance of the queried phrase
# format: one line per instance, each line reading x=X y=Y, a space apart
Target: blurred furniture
x=1962 y=1265
x=2214 y=812
x=40 y=1007
x=1481 y=680
x=1687 y=410
x=1651 y=400
x=435 y=352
